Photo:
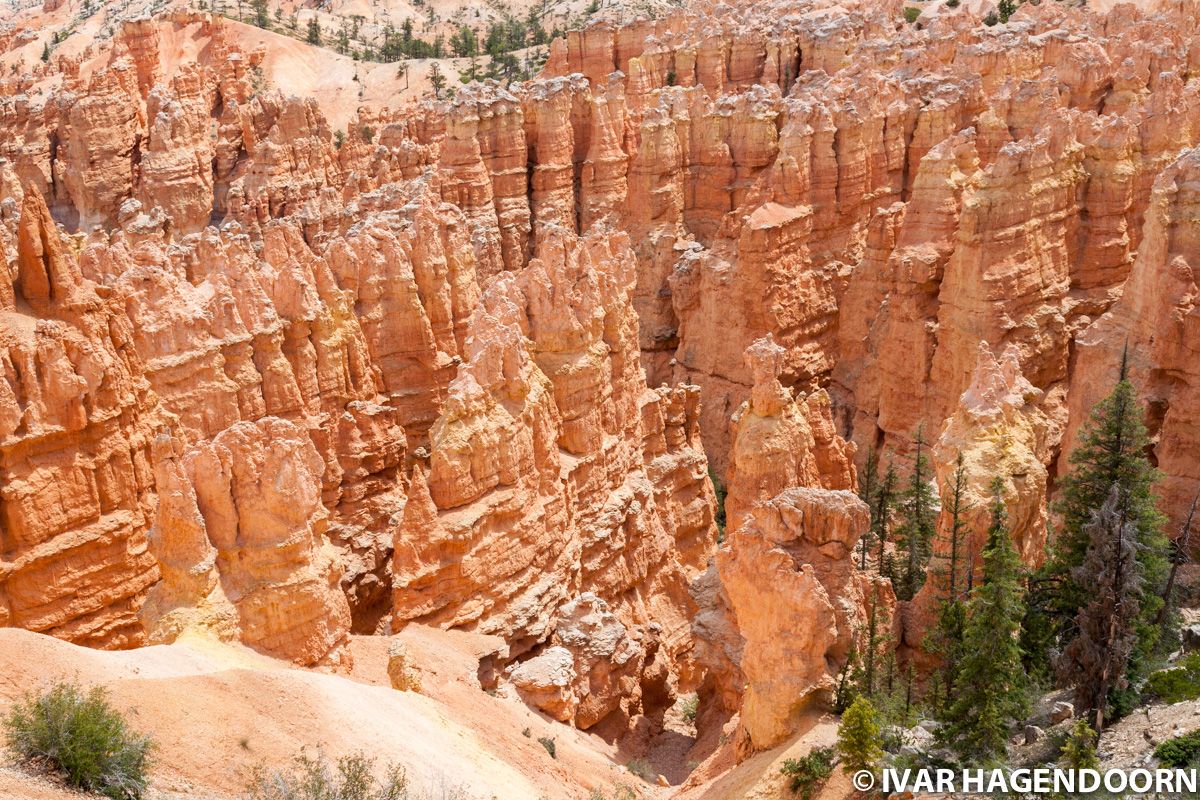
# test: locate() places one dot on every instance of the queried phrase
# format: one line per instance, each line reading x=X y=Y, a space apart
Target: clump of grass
x=548 y=743
x=314 y=778
x=82 y=738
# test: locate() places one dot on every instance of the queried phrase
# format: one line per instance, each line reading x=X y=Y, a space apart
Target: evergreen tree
x=882 y=512
x=945 y=640
x=436 y=79
x=262 y=16
x=1096 y=660
x=313 y=34
x=867 y=488
x=1006 y=8
x=1181 y=548
x=1111 y=451
x=915 y=534
x=991 y=679
x=1079 y=750
x=859 y=742
x=46 y=52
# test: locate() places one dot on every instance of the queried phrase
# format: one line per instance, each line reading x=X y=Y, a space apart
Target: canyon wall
x=474 y=356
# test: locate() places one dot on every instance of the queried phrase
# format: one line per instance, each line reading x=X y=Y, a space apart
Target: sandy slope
x=217 y=710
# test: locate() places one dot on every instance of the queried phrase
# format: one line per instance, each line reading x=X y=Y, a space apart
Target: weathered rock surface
x=594 y=669
x=239 y=537
x=77 y=419
x=799 y=599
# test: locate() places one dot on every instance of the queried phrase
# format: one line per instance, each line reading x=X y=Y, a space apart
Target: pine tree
x=436 y=79
x=869 y=661
x=859 y=741
x=1079 y=750
x=261 y=13
x=881 y=515
x=313 y=34
x=46 y=52
x=992 y=681
x=945 y=640
x=1181 y=548
x=915 y=534
x=1111 y=450
x=1096 y=660
x=867 y=488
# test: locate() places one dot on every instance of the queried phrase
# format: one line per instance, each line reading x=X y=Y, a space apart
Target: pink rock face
x=800 y=622
x=999 y=430
x=240 y=537
x=77 y=418
x=552 y=465
x=781 y=441
x=1155 y=321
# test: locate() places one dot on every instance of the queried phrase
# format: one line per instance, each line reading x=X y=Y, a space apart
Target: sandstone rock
x=400 y=667
x=77 y=418
x=782 y=441
x=1061 y=712
x=803 y=539
x=240 y=532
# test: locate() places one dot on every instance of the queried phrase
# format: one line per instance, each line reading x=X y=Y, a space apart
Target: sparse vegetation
x=619 y=791
x=82 y=738
x=315 y=778
x=719 y=491
x=911 y=13
x=641 y=767
x=807 y=774
x=689 y=707
x=1179 y=752
x=550 y=746
x=1179 y=683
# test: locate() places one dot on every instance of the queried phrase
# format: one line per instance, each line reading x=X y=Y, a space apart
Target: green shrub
x=641 y=767
x=548 y=743
x=1180 y=751
x=1179 y=683
x=82 y=738
x=690 y=707
x=911 y=14
x=809 y=773
x=316 y=779
x=951 y=3
x=991 y=19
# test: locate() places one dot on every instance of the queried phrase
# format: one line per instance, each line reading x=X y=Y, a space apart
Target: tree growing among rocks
x=1096 y=660
x=992 y=681
x=858 y=742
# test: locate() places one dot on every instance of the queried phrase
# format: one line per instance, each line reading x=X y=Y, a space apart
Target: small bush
x=641 y=767
x=316 y=779
x=809 y=773
x=1180 y=751
x=548 y=743
x=1181 y=682
x=82 y=738
x=952 y=3
x=620 y=791
x=911 y=14
x=991 y=19
x=690 y=707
